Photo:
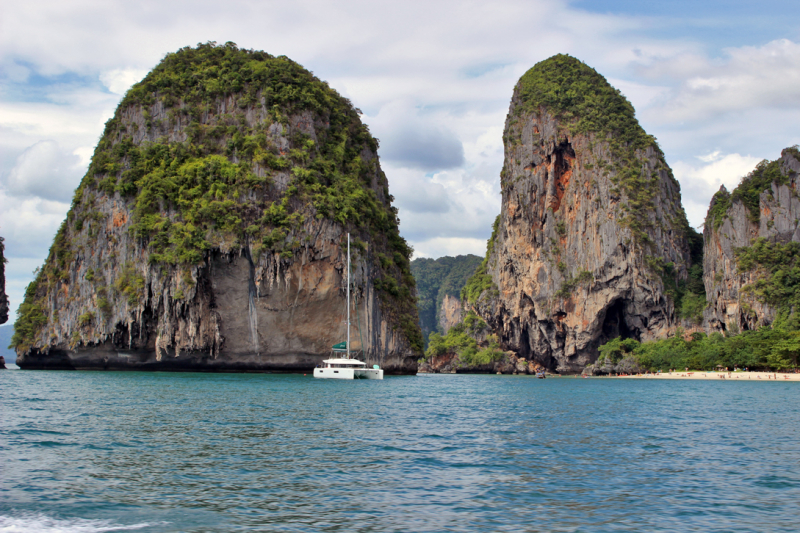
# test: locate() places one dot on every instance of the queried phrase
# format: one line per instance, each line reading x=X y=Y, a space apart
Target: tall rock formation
x=591 y=234
x=3 y=296
x=209 y=231
x=747 y=240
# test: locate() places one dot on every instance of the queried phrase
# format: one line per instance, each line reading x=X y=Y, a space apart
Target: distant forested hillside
x=436 y=278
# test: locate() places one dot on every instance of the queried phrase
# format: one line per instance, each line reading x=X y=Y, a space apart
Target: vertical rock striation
x=591 y=224
x=764 y=206
x=450 y=313
x=210 y=230
x=3 y=296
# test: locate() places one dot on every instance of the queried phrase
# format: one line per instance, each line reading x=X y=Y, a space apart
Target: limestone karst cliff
x=751 y=237
x=209 y=231
x=3 y=296
x=592 y=242
x=450 y=313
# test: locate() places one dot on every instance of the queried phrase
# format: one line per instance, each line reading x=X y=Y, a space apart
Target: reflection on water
x=238 y=452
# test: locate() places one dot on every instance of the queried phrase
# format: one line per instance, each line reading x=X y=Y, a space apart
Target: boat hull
x=348 y=373
x=368 y=373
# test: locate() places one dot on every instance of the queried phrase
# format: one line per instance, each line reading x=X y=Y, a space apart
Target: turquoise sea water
x=157 y=452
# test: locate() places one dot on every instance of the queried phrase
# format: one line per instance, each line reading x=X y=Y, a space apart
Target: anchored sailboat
x=344 y=367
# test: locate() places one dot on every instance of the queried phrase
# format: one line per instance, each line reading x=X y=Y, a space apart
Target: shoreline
x=696 y=375
x=712 y=375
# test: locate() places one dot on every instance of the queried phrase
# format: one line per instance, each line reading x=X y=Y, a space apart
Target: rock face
x=591 y=222
x=509 y=363
x=628 y=365
x=450 y=313
x=3 y=296
x=765 y=205
x=210 y=231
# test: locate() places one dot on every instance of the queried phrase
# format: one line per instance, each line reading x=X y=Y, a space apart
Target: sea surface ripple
x=163 y=452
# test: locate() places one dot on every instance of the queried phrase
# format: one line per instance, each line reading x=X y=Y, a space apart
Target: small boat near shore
x=345 y=367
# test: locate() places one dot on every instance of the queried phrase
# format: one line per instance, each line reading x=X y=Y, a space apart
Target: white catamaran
x=344 y=367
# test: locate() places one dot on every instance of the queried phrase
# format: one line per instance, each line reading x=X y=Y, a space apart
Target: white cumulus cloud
x=118 y=81
x=747 y=77
x=45 y=171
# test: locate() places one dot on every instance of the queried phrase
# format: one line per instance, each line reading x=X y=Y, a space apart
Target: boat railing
x=341 y=354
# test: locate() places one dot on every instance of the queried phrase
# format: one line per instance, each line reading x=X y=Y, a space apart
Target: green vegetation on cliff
x=30 y=317
x=186 y=191
x=197 y=150
x=749 y=190
x=576 y=92
x=209 y=73
x=437 y=278
x=580 y=96
x=718 y=209
x=777 y=267
x=689 y=294
x=759 y=180
x=481 y=280
x=460 y=340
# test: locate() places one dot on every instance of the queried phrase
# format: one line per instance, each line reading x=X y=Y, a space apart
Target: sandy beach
x=752 y=376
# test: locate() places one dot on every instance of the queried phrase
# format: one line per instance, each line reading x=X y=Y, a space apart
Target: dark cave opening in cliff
x=563 y=157
x=615 y=324
x=564 y=154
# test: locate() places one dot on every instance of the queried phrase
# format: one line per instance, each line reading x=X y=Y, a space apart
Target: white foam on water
x=39 y=523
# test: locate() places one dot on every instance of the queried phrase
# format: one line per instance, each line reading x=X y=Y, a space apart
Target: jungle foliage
x=777 y=266
x=481 y=280
x=759 y=180
x=718 y=209
x=187 y=191
x=688 y=294
x=749 y=190
x=763 y=349
x=460 y=340
x=437 y=278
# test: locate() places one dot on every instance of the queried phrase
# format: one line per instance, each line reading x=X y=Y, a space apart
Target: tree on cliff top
x=572 y=90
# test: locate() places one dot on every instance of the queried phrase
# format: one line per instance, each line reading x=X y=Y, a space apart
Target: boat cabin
x=342 y=363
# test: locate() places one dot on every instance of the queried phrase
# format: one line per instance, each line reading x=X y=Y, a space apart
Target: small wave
x=39 y=523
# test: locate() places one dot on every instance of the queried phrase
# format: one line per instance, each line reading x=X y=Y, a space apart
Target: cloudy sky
x=717 y=82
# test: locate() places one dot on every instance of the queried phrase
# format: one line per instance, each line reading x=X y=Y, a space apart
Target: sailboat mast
x=348 y=296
